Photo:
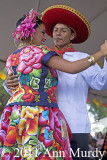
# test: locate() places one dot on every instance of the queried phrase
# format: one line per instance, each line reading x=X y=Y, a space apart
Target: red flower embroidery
x=11 y=136
x=29 y=95
x=50 y=92
x=9 y=156
x=15 y=59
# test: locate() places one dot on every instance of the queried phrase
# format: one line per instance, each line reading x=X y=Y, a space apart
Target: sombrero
x=68 y=16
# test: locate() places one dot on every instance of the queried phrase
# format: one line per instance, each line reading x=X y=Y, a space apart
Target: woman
x=100 y=140
x=32 y=126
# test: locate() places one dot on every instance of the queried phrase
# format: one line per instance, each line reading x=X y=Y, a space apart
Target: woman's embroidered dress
x=32 y=126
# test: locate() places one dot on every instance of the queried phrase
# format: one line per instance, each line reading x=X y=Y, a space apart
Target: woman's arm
x=59 y=63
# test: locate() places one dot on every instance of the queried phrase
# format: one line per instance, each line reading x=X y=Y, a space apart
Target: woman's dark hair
x=20 y=20
x=38 y=21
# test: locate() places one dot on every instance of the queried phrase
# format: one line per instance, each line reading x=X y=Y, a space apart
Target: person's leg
x=79 y=146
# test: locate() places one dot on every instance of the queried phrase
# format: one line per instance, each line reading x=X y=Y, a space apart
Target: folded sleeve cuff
x=5 y=87
x=47 y=56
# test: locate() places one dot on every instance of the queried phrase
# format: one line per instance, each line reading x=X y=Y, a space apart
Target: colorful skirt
x=29 y=133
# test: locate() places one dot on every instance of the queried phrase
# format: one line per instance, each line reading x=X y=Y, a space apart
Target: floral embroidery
x=30 y=57
x=11 y=136
x=32 y=73
x=8 y=156
x=15 y=59
x=54 y=82
x=24 y=79
x=29 y=117
x=45 y=136
x=35 y=82
x=16 y=93
x=30 y=152
x=47 y=83
x=50 y=92
x=38 y=130
x=37 y=98
x=9 y=64
x=43 y=116
x=49 y=100
x=53 y=117
x=29 y=95
x=31 y=122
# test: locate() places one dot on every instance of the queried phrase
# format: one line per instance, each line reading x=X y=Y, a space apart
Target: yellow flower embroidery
x=37 y=98
x=49 y=100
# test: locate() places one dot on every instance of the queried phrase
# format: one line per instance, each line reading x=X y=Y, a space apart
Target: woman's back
x=37 y=81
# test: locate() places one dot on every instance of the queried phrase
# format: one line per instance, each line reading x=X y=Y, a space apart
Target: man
x=67 y=25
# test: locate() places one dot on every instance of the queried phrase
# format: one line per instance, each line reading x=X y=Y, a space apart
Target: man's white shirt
x=72 y=92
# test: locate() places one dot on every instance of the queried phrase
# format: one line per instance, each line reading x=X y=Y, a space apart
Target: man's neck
x=60 y=51
x=66 y=46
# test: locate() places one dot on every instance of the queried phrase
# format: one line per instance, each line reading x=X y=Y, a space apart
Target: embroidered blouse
x=37 y=82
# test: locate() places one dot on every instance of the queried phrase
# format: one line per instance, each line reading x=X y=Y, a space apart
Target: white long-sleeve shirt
x=72 y=92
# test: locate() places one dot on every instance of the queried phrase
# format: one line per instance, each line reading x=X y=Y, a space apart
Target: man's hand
x=106 y=42
x=12 y=81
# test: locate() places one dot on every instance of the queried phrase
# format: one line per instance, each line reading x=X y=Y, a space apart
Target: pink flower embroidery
x=6 y=118
x=8 y=155
x=55 y=124
x=43 y=116
x=30 y=57
x=9 y=64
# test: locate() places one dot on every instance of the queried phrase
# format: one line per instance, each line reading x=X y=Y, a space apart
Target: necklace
x=23 y=44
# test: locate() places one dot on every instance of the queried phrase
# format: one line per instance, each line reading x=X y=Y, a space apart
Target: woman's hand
x=12 y=81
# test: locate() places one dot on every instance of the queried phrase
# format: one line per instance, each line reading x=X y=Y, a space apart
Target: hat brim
x=68 y=16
